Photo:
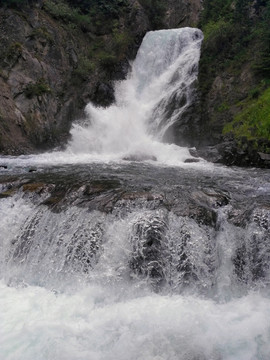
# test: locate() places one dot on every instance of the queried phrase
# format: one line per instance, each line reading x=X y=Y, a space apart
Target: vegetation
x=37 y=89
x=155 y=10
x=254 y=120
x=262 y=33
x=41 y=33
x=62 y=11
x=237 y=37
x=99 y=19
x=16 y=3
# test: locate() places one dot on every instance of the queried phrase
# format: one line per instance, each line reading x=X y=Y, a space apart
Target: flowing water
x=102 y=257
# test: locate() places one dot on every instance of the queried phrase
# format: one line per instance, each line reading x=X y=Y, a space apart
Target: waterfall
x=156 y=93
x=106 y=269
x=106 y=260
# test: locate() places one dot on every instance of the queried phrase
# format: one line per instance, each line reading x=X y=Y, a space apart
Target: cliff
x=55 y=58
x=234 y=83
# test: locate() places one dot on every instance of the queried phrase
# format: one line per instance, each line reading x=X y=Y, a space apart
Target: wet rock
x=265 y=158
x=211 y=197
x=232 y=153
x=140 y=157
x=193 y=152
x=7 y=193
x=104 y=94
x=192 y=160
x=252 y=255
x=84 y=248
x=147 y=243
x=239 y=217
x=200 y=205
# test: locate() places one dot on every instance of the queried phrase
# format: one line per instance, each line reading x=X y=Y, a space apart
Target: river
x=123 y=247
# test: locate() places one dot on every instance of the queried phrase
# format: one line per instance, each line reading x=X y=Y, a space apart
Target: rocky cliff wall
x=51 y=65
x=234 y=83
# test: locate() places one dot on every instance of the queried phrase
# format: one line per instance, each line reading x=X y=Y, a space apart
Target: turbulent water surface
x=103 y=257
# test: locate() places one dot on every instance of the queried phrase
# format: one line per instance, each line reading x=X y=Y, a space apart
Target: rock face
x=230 y=83
x=181 y=13
x=47 y=75
x=37 y=102
x=42 y=85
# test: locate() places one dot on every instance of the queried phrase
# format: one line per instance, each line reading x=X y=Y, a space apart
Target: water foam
x=95 y=324
x=166 y=66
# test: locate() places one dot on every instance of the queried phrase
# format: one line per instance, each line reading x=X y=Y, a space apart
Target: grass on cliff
x=254 y=120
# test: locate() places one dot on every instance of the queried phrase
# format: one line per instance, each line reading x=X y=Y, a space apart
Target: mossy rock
x=7 y=193
x=33 y=187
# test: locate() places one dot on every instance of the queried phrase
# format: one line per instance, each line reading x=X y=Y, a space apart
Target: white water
x=166 y=67
x=53 y=308
x=98 y=324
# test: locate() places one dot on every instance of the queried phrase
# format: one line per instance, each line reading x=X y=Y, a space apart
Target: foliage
x=254 y=120
x=61 y=10
x=14 y=50
x=155 y=10
x=84 y=68
x=234 y=32
x=37 y=89
x=218 y=35
x=12 y=3
x=111 y=8
x=16 y=3
x=41 y=33
x=214 y=10
x=262 y=32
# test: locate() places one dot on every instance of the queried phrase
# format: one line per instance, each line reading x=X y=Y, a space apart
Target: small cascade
x=139 y=240
x=154 y=262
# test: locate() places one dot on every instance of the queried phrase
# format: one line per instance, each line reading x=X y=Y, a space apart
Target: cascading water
x=165 y=68
x=129 y=260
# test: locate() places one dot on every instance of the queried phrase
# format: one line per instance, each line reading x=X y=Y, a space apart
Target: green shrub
x=218 y=35
x=120 y=41
x=61 y=10
x=107 y=60
x=155 y=10
x=13 y=3
x=41 y=33
x=84 y=69
x=15 y=49
x=214 y=10
x=37 y=89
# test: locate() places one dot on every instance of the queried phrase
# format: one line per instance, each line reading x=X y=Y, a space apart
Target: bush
x=41 y=33
x=16 y=3
x=37 y=89
x=61 y=10
x=106 y=60
x=84 y=69
x=155 y=10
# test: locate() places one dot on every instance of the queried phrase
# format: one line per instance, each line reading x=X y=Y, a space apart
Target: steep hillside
x=55 y=56
x=234 y=81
